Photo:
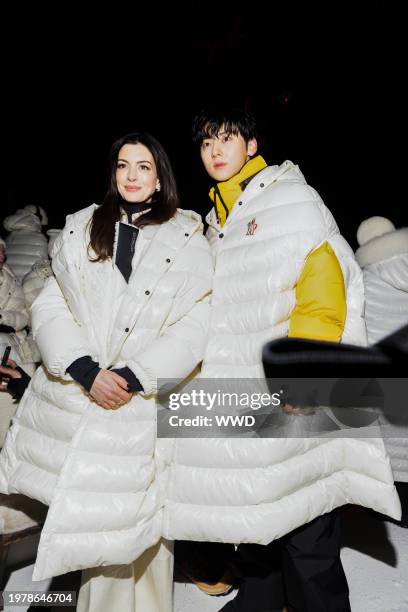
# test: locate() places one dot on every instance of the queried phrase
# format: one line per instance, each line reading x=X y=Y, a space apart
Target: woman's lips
x=132 y=188
x=220 y=165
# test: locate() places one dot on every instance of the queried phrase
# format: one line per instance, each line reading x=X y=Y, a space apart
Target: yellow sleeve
x=320 y=310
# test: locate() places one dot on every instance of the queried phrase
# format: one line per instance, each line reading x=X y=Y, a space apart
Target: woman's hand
x=110 y=390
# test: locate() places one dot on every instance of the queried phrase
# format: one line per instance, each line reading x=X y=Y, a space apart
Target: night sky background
x=325 y=86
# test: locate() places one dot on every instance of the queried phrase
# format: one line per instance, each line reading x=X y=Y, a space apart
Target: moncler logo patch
x=252 y=225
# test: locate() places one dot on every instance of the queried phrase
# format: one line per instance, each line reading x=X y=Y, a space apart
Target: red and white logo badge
x=252 y=225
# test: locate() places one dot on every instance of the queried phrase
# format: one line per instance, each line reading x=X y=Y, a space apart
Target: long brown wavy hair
x=102 y=230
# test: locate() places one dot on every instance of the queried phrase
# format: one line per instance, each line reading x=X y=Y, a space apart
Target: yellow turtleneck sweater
x=225 y=194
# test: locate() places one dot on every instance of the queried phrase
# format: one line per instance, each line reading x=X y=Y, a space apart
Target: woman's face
x=136 y=174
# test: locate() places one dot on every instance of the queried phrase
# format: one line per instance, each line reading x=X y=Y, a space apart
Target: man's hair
x=209 y=121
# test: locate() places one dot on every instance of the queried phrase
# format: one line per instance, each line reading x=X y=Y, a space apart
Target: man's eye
x=205 y=145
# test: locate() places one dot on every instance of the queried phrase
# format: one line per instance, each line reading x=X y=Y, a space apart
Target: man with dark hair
x=281 y=269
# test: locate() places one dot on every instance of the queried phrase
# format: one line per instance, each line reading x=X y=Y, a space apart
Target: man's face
x=224 y=155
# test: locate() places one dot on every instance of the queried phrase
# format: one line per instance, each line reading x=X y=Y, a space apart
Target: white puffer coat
x=25 y=243
x=34 y=281
x=383 y=255
x=13 y=311
x=256 y=490
x=96 y=468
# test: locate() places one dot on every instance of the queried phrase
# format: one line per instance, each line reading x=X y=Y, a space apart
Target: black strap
x=217 y=193
x=126 y=249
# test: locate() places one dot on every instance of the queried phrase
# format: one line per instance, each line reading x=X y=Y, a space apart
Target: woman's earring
x=158 y=187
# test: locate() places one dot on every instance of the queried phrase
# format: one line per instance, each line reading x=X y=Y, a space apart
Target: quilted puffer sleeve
x=320 y=310
x=336 y=303
x=354 y=328
x=355 y=331
x=12 y=303
x=59 y=337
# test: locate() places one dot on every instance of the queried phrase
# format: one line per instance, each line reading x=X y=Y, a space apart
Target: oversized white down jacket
x=13 y=310
x=25 y=243
x=256 y=490
x=34 y=281
x=384 y=259
x=13 y=313
x=383 y=255
x=96 y=468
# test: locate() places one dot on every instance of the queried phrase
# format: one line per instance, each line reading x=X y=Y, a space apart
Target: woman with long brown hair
x=128 y=306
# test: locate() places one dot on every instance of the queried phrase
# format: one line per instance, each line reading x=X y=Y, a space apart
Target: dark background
x=325 y=86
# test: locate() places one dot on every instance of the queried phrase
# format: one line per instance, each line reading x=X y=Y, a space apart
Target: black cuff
x=133 y=382
x=84 y=370
x=17 y=386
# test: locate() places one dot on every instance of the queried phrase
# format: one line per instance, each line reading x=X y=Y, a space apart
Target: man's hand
x=110 y=390
x=7 y=372
x=289 y=409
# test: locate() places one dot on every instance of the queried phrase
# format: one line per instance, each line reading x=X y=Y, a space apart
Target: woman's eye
x=144 y=167
x=205 y=145
x=121 y=165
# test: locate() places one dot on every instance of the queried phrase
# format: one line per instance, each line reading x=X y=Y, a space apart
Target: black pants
x=302 y=570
